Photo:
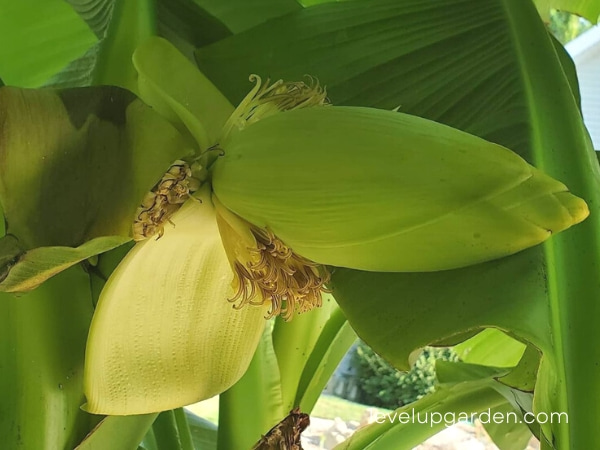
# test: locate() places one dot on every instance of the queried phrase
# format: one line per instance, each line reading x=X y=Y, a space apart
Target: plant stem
x=166 y=432
x=185 y=435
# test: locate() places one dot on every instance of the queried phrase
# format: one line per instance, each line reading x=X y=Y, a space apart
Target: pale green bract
x=385 y=191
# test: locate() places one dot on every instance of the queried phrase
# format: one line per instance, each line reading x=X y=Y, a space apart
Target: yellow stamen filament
x=174 y=188
x=277 y=274
x=270 y=98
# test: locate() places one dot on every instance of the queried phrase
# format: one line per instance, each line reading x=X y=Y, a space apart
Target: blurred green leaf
x=39 y=38
x=508 y=434
x=491 y=347
x=204 y=433
x=109 y=60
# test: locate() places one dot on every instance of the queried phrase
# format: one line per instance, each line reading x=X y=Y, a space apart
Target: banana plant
x=409 y=194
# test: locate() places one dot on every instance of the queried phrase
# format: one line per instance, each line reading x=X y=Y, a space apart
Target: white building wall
x=585 y=51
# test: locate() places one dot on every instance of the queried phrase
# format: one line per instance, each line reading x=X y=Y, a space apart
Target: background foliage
x=381 y=384
x=566 y=26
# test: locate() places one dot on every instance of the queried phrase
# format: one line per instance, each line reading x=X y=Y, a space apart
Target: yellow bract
x=163 y=334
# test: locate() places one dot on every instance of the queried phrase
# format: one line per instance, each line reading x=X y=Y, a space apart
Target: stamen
x=167 y=196
x=268 y=99
x=277 y=274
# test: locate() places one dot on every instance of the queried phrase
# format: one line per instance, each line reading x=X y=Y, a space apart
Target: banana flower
x=288 y=186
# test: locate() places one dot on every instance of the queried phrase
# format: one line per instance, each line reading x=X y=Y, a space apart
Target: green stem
x=149 y=442
x=42 y=343
x=293 y=343
x=166 y=432
x=185 y=434
x=333 y=343
x=254 y=404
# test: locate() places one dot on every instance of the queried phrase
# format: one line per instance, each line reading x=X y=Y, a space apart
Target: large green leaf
x=120 y=26
x=78 y=73
x=488 y=68
x=561 y=146
x=39 y=38
x=96 y=13
x=335 y=43
x=77 y=163
x=239 y=15
x=425 y=307
x=188 y=26
x=568 y=66
x=133 y=21
x=467 y=90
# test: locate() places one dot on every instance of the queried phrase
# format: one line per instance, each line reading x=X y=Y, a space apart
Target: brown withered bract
x=286 y=434
x=175 y=187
